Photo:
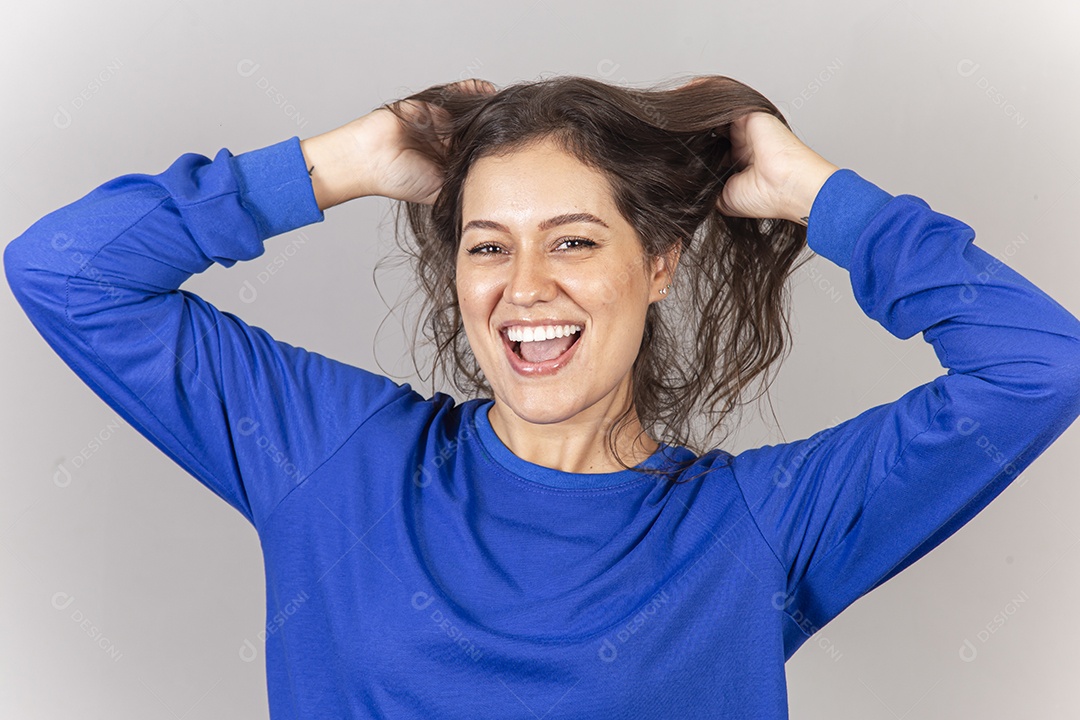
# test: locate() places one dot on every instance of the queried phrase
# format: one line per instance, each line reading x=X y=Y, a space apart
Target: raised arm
x=248 y=416
x=851 y=506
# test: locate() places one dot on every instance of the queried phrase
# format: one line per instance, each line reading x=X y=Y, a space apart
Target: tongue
x=541 y=350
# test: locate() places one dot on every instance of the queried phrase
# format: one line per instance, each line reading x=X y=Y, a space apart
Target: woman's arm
x=853 y=505
x=248 y=416
x=375 y=155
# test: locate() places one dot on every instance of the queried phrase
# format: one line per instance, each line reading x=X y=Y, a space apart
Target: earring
x=663 y=290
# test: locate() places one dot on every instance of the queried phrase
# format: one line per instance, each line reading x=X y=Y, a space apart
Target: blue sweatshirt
x=416 y=568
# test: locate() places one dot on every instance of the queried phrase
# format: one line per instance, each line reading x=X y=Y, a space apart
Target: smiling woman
x=570 y=201
x=602 y=269
x=527 y=277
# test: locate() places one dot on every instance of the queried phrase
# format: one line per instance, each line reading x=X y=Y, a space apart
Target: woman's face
x=530 y=256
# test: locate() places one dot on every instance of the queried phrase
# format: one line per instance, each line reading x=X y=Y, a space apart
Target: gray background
x=970 y=106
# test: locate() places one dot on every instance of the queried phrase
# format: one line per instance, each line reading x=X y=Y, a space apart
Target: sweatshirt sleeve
x=852 y=505
x=248 y=416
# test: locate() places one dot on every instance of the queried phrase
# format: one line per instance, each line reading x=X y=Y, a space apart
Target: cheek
x=477 y=298
x=610 y=292
x=624 y=279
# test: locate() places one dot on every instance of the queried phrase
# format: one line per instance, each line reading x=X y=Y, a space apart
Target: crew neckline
x=552 y=477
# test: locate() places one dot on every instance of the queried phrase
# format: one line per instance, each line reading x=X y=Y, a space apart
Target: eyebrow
x=564 y=219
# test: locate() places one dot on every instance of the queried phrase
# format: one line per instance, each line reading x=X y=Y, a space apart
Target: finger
x=726 y=209
x=738 y=129
x=728 y=168
x=476 y=86
x=722 y=206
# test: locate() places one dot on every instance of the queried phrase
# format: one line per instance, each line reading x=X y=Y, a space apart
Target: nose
x=530 y=280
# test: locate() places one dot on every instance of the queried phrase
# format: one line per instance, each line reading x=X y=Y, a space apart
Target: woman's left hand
x=779 y=177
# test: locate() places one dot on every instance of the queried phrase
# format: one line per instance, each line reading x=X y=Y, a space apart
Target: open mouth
x=515 y=345
x=541 y=356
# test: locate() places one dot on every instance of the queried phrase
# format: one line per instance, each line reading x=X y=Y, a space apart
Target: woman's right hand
x=374 y=155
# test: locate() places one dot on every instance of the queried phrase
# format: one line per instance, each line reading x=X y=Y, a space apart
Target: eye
x=482 y=249
x=582 y=242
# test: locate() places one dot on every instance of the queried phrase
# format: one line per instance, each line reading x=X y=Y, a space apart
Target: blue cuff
x=275 y=187
x=844 y=206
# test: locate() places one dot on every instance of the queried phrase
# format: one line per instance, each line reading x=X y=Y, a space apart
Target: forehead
x=538 y=181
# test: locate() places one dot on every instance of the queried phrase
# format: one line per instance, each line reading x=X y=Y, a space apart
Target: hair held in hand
x=663 y=151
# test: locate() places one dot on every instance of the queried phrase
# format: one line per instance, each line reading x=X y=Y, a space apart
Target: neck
x=575 y=445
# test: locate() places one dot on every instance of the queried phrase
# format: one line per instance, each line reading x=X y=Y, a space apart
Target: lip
x=548 y=367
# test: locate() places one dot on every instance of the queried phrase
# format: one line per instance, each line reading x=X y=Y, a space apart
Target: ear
x=664 y=271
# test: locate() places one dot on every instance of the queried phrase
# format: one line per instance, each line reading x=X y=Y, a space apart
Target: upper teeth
x=524 y=333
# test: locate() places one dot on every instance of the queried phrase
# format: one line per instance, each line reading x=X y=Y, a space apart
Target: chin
x=541 y=407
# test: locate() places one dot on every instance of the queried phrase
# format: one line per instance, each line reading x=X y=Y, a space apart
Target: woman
x=554 y=547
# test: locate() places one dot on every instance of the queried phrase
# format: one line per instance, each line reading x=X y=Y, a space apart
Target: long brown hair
x=663 y=150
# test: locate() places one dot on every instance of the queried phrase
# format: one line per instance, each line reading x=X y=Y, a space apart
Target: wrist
x=331 y=162
x=805 y=185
